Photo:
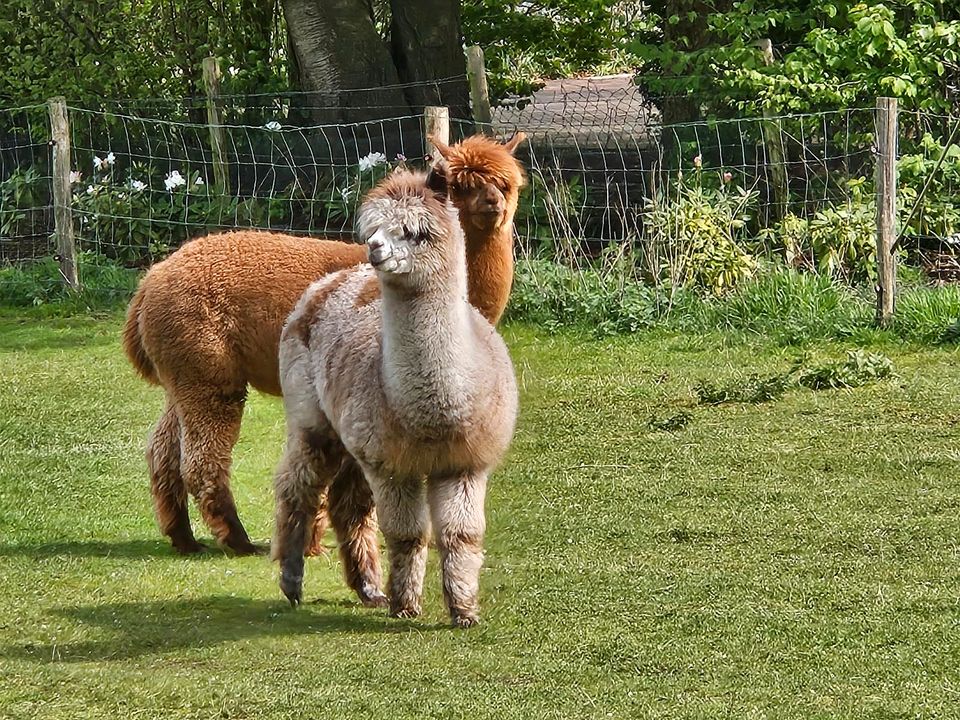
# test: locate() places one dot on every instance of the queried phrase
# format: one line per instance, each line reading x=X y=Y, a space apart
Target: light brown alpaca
x=205 y=324
x=416 y=385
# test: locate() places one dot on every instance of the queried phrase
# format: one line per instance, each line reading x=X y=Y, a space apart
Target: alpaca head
x=485 y=179
x=410 y=229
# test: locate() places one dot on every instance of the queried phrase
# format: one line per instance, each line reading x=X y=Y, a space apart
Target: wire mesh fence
x=696 y=200
x=26 y=210
x=147 y=185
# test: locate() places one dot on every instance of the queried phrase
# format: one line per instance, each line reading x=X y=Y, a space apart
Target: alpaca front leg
x=354 y=518
x=456 y=508
x=307 y=466
x=402 y=511
x=166 y=483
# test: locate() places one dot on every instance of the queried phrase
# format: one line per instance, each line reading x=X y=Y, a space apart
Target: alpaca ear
x=441 y=146
x=513 y=143
x=437 y=180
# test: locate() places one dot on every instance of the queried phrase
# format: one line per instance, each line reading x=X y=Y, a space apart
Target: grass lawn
x=795 y=559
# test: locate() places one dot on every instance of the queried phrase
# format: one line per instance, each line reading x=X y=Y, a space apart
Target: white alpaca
x=392 y=365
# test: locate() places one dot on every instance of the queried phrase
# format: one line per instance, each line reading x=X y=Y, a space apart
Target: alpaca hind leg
x=166 y=483
x=354 y=518
x=402 y=511
x=308 y=465
x=211 y=426
x=456 y=509
x=320 y=522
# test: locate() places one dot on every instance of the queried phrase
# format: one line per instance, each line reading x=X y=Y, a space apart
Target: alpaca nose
x=493 y=201
x=375 y=241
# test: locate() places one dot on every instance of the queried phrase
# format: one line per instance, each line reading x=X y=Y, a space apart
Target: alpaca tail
x=133 y=343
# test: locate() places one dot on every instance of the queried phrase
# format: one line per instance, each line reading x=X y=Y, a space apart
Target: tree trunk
x=687 y=35
x=338 y=50
x=426 y=42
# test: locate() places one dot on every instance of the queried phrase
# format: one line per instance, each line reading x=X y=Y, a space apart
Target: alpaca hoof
x=247 y=548
x=464 y=621
x=294 y=593
x=374 y=600
x=405 y=613
x=292 y=587
x=189 y=547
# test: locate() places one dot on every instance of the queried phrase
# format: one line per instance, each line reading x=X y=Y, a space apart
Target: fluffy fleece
x=415 y=385
x=205 y=324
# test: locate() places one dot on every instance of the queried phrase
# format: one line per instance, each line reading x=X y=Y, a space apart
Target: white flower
x=199 y=181
x=371 y=161
x=697 y=161
x=138 y=185
x=273 y=126
x=75 y=176
x=110 y=159
x=98 y=163
x=89 y=189
x=174 y=180
x=345 y=194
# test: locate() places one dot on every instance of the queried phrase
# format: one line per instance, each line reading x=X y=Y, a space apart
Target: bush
x=24 y=199
x=695 y=234
x=136 y=215
x=839 y=240
x=938 y=210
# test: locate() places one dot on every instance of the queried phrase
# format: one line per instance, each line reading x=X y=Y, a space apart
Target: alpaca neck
x=490 y=260
x=428 y=346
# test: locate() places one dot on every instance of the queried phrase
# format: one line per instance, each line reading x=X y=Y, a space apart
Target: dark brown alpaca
x=205 y=324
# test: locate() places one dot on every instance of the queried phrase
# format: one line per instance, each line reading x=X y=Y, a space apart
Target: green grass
x=794 y=559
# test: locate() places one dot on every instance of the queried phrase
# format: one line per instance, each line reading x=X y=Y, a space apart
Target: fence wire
x=26 y=211
x=144 y=186
x=604 y=173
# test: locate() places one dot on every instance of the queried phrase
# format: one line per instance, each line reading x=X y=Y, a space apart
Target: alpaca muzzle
x=389 y=255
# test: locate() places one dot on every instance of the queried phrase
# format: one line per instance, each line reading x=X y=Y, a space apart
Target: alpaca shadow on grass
x=125 y=549
x=133 y=630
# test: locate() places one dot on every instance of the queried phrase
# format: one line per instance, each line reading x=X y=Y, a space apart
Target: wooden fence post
x=62 y=212
x=211 y=82
x=479 y=92
x=773 y=140
x=886 y=181
x=436 y=121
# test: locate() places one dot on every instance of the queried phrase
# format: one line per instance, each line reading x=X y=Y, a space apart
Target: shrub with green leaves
x=24 y=197
x=938 y=209
x=828 y=55
x=698 y=234
x=838 y=241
